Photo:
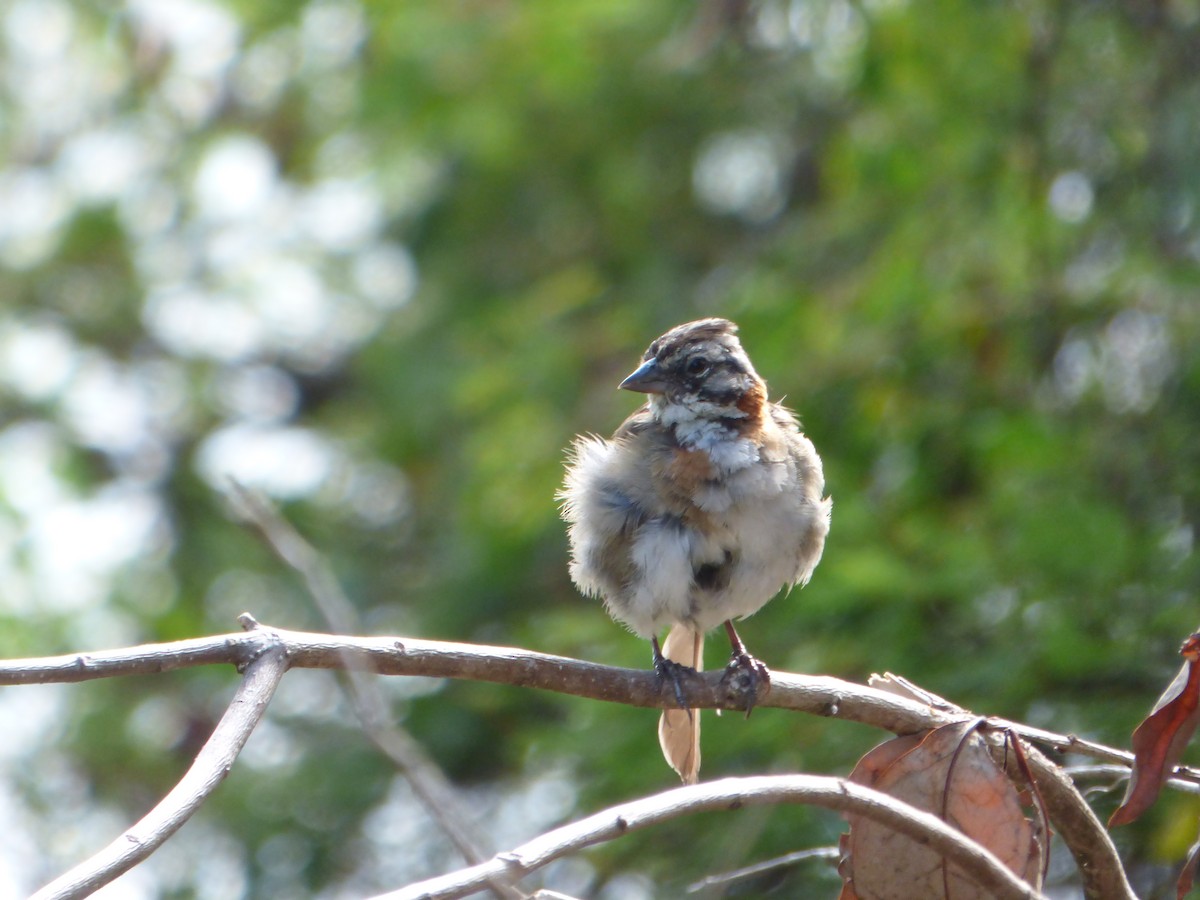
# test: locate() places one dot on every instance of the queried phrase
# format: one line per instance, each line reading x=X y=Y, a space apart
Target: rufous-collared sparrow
x=705 y=503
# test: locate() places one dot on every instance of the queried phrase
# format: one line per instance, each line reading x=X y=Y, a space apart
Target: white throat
x=700 y=425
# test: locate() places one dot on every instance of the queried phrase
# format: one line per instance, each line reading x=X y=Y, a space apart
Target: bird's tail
x=679 y=729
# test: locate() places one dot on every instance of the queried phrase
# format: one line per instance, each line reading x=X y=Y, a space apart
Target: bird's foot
x=746 y=680
x=674 y=672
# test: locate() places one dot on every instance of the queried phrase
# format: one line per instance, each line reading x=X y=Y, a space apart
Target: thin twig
x=429 y=784
x=1091 y=780
x=1114 y=773
x=209 y=769
x=787 y=861
x=978 y=863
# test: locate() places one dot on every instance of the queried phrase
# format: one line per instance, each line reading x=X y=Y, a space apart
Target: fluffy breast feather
x=670 y=534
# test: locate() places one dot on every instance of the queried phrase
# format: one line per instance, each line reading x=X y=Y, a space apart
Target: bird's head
x=699 y=370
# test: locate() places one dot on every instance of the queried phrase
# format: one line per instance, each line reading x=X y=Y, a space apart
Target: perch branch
x=209 y=769
x=819 y=695
x=729 y=794
x=815 y=694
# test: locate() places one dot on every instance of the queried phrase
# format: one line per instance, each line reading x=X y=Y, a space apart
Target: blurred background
x=382 y=261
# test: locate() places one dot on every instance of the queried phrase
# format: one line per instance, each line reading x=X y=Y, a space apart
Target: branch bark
x=209 y=769
x=730 y=794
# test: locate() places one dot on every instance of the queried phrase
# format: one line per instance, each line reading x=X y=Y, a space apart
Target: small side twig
x=724 y=879
x=209 y=769
x=430 y=785
x=976 y=862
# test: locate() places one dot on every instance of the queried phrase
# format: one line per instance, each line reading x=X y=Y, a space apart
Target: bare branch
x=209 y=769
x=730 y=794
x=815 y=694
x=146 y=659
x=819 y=695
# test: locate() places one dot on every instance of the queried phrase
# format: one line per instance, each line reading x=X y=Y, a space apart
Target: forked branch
x=209 y=769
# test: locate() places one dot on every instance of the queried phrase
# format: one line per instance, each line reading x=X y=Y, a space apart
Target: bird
x=704 y=504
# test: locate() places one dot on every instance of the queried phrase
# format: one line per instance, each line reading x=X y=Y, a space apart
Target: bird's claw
x=675 y=673
x=747 y=679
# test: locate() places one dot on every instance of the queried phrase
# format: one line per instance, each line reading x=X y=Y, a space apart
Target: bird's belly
x=765 y=539
x=757 y=541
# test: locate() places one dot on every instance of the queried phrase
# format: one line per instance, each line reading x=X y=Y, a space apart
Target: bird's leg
x=671 y=671
x=744 y=674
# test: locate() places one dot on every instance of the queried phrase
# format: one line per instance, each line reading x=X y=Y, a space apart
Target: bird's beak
x=646 y=378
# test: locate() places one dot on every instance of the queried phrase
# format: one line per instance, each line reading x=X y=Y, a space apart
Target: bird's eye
x=697 y=365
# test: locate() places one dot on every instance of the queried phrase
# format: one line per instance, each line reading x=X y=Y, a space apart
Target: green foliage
x=960 y=238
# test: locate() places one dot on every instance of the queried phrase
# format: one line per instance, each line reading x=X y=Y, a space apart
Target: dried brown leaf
x=1158 y=742
x=947 y=772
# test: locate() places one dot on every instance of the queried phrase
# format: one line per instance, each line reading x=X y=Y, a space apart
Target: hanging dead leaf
x=1159 y=741
x=947 y=772
x=868 y=772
